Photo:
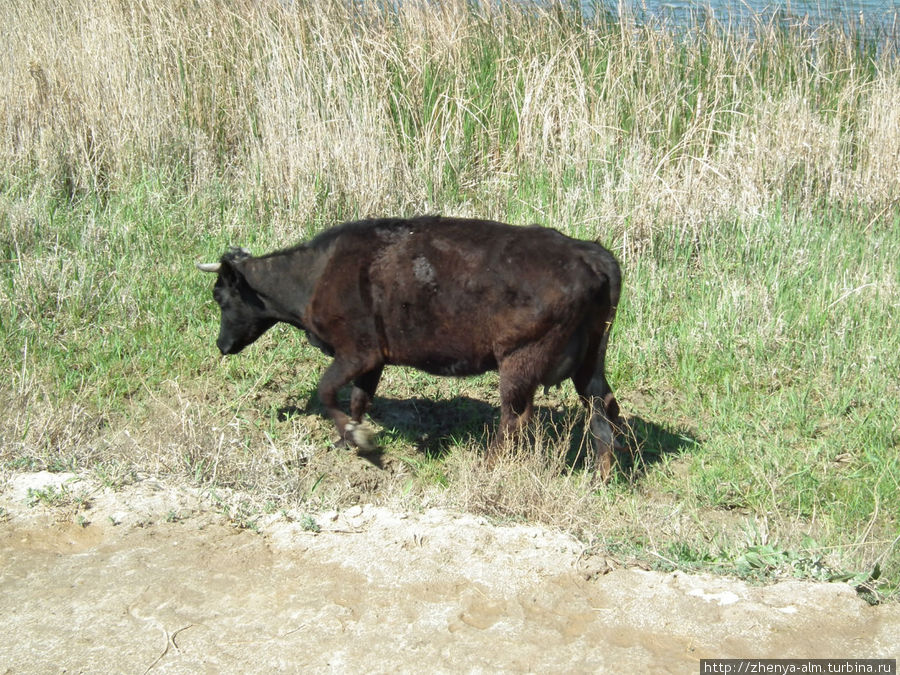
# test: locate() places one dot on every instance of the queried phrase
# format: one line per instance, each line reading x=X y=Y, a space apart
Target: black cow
x=446 y=295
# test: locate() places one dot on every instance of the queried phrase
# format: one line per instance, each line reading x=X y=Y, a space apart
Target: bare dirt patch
x=151 y=577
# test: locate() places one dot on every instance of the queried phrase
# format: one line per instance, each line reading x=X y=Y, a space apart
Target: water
x=872 y=19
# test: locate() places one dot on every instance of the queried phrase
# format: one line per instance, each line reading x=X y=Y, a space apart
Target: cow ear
x=237 y=254
x=228 y=273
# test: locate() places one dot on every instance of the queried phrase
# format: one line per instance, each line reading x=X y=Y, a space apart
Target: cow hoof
x=362 y=436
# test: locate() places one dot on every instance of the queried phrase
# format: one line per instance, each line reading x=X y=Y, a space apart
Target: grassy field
x=749 y=183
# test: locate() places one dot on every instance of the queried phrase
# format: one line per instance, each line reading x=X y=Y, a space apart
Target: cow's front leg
x=364 y=388
x=351 y=431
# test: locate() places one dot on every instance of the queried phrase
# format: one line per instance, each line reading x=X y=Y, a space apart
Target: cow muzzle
x=227 y=346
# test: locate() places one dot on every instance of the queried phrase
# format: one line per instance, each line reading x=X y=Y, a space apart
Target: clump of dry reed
x=332 y=109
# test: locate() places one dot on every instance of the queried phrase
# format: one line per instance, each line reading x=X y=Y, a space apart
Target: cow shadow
x=641 y=444
x=434 y=426
x=646 y=444
x=431 y=426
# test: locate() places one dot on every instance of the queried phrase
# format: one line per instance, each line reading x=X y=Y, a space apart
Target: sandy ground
x=149 y=578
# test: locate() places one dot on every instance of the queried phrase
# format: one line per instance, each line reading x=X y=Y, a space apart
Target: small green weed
x=242 y=515
x=50 y=496
x=25 y=463
x=770 y=561
x=309 y=524
x=113 y=476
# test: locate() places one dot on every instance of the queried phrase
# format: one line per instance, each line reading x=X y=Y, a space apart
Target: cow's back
x=450 y=295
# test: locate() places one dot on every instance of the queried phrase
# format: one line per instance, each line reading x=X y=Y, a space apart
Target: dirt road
x=150 y=579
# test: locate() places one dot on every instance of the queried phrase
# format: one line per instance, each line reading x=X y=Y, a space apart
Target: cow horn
x=209 y=267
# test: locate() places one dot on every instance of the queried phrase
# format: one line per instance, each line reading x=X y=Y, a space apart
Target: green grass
x=750 y=188
x=783 y=356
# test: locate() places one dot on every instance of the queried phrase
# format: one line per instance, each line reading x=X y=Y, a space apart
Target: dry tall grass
x=341 y=107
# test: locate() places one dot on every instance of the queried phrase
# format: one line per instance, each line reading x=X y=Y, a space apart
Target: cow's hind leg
x=338 y=374
x=603 y=409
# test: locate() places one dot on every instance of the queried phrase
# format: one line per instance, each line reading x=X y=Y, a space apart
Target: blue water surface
x=872 y=19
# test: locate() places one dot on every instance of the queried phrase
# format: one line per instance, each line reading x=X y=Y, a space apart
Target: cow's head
x=244 y=315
